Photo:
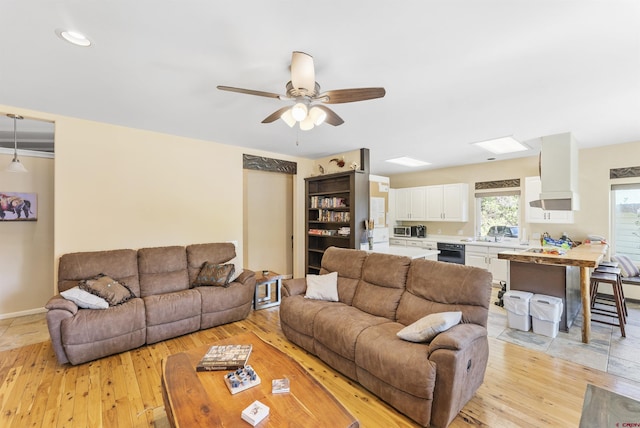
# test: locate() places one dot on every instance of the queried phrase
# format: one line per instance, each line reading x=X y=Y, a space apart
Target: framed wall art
x=18 y=206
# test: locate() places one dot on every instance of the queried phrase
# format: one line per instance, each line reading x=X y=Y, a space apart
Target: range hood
x=558 y=174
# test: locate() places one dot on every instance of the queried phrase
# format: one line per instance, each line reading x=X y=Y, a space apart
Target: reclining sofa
x=378 y=296
x=164 y=303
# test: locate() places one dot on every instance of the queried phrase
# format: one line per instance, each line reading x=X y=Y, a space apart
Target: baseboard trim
x=22 y=313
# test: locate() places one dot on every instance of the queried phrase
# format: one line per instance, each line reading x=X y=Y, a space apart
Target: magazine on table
x=224 y=357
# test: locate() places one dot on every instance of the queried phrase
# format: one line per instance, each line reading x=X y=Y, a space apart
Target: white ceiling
x=455 y=71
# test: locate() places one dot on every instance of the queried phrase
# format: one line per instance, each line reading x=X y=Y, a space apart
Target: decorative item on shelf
x=321 y=169
x=354 y=165
x=339 y=162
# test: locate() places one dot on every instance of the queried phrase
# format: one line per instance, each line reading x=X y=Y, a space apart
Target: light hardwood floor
x=523 y=388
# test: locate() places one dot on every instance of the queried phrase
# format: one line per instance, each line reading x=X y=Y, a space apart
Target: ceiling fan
x=308 y=109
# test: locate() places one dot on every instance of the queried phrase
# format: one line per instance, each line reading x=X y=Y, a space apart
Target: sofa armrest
x=294 y=287
x=59 y=302
x=246 y=276
x=457 y=337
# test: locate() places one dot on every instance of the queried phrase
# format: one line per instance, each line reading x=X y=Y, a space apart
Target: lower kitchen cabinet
x=486 y=257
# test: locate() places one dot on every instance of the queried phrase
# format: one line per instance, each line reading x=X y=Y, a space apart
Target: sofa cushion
x=121 y=265
x=627 y=266
x=92 y=334
x=444 y=287
x=84 y=299
x=348 y=263
x=162 y=270
x=214 y=274
x=338 y=326
x=323 y=287
x=428 y=327
x=107 y=288
x=218 y=253
x=404 y=365
x=300 y=313
x=382 y=284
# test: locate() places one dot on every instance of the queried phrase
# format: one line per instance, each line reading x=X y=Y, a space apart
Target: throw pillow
x=428 y=327
x=108 y=288
x=214 y=274
x=84 y=299
x=323 y=287
x=627 y=266
x=237 y=269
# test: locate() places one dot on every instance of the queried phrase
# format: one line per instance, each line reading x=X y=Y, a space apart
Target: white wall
x=118 y=187
x=26 y=247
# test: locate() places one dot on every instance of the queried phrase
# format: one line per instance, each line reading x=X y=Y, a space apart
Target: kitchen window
x=498 y=211
x=625 y=204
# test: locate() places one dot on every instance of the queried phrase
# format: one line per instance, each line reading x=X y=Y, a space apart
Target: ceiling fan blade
x=351 y=95
x=248 y=91
x=332 y=118
x=303 y=75
x=275 y=115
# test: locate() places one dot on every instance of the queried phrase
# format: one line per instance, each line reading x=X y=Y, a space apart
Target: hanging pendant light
x=15 y=165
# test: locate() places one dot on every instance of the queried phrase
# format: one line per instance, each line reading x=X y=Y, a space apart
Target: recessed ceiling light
x=405 y=161
x=502 y=145
x=74 y=37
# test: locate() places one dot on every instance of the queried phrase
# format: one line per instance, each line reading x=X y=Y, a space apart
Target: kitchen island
x=584 y=257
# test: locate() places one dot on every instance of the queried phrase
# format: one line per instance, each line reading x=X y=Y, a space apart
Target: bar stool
x=614 y=280
x=609 y=263
x=618 y=272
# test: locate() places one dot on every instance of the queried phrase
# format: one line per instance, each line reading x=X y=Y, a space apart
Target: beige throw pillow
x=323 y=287
x=84 y=299
x=428 y=327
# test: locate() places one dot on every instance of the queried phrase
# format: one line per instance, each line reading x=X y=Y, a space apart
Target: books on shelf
x=224 y=357
x=241 y=379
x=327 y=202
x=254 y=413
x=335 y=216
x=280 y=386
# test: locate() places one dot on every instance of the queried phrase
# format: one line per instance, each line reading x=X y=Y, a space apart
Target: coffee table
x=198 y=399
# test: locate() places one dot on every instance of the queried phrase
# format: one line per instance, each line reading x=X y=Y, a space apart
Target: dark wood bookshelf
x=343 y=199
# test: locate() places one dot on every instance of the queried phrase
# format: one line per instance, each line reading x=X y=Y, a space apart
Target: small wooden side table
x=267 y=300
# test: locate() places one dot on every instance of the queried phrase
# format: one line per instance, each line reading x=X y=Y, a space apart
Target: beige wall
x=26 y=247
x=594 y=188
x=118 y=187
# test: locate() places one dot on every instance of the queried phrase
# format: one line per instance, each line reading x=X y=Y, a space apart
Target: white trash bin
x=517 y=305
x=546 y=312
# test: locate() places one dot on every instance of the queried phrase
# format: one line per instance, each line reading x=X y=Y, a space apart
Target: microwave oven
x=399 y=231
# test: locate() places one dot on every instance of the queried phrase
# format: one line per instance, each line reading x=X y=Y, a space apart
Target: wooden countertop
x=585 y=255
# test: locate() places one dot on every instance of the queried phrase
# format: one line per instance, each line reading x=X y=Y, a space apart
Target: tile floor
x=607 y=351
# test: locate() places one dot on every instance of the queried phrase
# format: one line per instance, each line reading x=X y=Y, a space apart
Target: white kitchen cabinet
x=448 y=202
x=398 y=242
x=486 y=257
x=532 y=189
x=410 y=203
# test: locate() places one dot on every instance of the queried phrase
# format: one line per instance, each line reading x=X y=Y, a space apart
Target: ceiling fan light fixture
x=299 y=112
x=287 y=118
x=306 y=124
x=317 y=115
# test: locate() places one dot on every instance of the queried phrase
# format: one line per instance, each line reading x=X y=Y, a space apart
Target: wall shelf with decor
x=337 y=205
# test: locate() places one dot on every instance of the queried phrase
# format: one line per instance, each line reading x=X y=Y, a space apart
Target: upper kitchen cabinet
x=447 y=202
x=410 y=203
x=532 y=189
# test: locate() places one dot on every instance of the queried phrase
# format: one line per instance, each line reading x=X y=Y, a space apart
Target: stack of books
x=225 y=357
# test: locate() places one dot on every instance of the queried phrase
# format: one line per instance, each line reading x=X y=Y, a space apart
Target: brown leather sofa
x=380 y=294
x=164 y=305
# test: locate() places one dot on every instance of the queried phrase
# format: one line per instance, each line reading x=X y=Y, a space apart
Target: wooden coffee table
x=198 y=399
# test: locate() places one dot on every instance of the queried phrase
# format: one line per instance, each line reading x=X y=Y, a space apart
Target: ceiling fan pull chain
x=297 y=137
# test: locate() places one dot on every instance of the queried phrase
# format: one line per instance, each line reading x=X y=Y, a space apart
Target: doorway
x=268 y=221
